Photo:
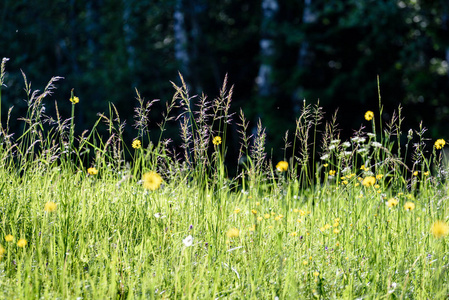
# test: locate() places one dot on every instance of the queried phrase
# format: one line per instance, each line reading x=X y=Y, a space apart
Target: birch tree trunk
x=264 y=79
x=181 y=38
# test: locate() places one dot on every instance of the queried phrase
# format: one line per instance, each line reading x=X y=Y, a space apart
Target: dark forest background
x=276 y=53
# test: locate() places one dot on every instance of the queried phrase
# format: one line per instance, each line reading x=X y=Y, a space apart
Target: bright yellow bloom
x=440 y=143
x=369 y=181
x=376 y=186
x=316 y=274
x=254 y=212
x=336 y=231
x=325 y=165
x=439 y=229
x=344 y=182
x=237 y=210
x=74 y=99
x=362 y=167
x=259 y=219
x=92 y=171
x=136 y=144
x=233 y=233
x=266 y=216
x=252 y=228
x=415 y=173
x=22 y=243
x=50 y=206
x=332 y=172
x=9 y=238
x=216 y=140
x=151 y=180
x=302 y=213
x=426 y=173
x=293 y=234
x=305 y=262
x=257 y=203
x=369 y=115
x=409 y=206
x=379 y=176
x=282 y=166
x=392 y=202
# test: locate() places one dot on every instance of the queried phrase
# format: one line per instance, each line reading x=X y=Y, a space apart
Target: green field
x=89 y=218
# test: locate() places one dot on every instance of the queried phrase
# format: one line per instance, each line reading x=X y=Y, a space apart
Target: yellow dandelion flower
x=302 y=213
x=277 y=218
x=136 y=144
x=357 y=184
x=327 y=226
x=74 y=99
x=257 y=203
x=392 y=202
x=50 y=206
x=336 y=231
x=336 y=224
x=305 y=262
x=415 y=173
x=426 y=173
x=282 y=166
x=299 y=221
x=293 y=234
x=345 y=182
x=369 y=181
x=92 y=171
x=379 y=176
x=439 y=229
x=273 y=213
x=259 y=219
x=237 y=210
x=337 y=220
x=439 y=144
x=216 y=140
x=337 y=244
x=332 y=172
x=9 y=238
x=376 y=186
x=22 y=243
x=325 y=165
x=369 y=115
x=316 y=274
x=254 y=212
x=151 y=181
x=233 y=233
x=409 y=206
x=281 y=216
x=362 y=167
x=343 y=177
x=252 y=228
x=266 y=216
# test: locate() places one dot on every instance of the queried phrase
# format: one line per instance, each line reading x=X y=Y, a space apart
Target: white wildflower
x=188 y=241
x=324 y=157
x=371 y=135
x=346 y=144
x=376 y=144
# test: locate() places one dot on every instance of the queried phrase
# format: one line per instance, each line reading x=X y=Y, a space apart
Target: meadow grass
x=336 y=220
